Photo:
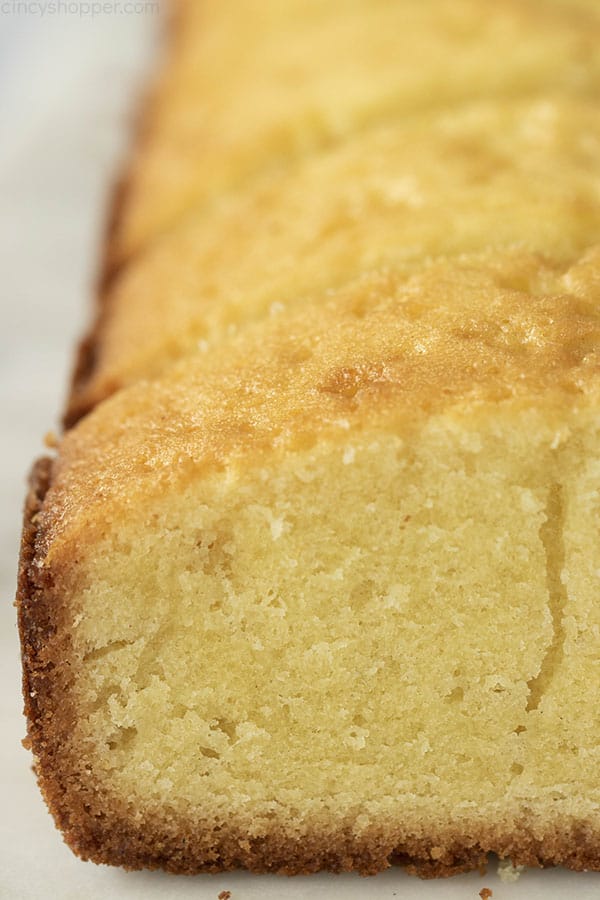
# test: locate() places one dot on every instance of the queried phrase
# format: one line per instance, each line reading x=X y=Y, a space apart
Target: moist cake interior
x=364 y=629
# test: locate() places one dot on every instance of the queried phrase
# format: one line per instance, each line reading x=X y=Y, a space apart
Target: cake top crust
x=494 y=173
x=387 y=350
x=254 y=99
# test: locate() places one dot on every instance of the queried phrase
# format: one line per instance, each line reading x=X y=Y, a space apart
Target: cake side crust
x=34 y=619
x=46 y=668
x=45 y=688
x=109 y=265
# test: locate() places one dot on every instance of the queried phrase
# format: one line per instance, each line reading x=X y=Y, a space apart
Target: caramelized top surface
x=249 y=89
x=487 y=174
x=462 y=333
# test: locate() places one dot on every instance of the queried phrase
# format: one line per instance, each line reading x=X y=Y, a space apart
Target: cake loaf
x=311 y=579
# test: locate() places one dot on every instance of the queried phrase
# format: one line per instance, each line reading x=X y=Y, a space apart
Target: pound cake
x=310 y=581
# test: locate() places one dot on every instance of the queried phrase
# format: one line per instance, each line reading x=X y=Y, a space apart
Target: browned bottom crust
x=193 y=853
x=155 y=845
x=97 y=829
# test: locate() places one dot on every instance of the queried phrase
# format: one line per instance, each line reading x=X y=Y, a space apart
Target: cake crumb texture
x=311 y=579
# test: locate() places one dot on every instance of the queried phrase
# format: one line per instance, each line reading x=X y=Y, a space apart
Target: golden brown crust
x=246 y=125
x=45 y=688
x=582 y=20
x=193 y=278
x=34 y=616
x=153 y=844
x=37 y=627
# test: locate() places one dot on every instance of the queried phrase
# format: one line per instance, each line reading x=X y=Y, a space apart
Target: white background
x=67 y=89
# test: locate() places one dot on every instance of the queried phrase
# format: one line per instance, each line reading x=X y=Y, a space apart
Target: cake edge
x=35 y=620
x=30 y=598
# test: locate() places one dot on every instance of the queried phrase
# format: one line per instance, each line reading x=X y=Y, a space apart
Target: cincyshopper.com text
x=91 y=8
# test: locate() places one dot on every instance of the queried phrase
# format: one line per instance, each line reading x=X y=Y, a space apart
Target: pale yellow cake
x=311 y=579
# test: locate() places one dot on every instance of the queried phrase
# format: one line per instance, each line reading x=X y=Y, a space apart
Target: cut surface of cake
x=311 y=579
x=326 y=596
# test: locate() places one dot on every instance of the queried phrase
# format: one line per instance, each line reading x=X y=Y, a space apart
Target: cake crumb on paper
x=507 y=872
x=224 y=895
x=486 y=893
